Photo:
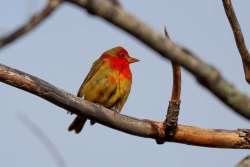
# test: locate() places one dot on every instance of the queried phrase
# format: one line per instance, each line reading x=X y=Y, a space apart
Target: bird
x=108 y=83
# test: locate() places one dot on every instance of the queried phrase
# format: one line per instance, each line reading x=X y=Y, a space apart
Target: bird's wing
x=119 y=105
x=95 y=67
x=123 y=92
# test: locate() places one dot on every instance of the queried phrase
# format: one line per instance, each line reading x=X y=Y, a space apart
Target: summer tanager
x=108 y=83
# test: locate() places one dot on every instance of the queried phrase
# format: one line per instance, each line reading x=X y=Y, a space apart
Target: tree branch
x=207 y=75
x=171 y=119
x=31 y=24
x=239 y=38
x=145 y=128
x=176 y=90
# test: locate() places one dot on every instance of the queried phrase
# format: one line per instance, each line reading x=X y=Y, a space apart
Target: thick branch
x=239 y=38
x=204 y=73
x=31 y=24
x=144 y=128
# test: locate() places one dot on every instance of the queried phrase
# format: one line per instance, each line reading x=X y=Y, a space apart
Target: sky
x=62 y=50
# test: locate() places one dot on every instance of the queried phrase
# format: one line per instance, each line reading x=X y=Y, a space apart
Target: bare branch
x=239 y=38
x=171 y=120
x=176 y=90
x=31 y=24
x=207 y=75
x=145 y=128
x=38 y=132
x=174 y=104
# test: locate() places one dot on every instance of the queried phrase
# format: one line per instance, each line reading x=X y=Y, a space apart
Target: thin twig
x=176 y=90
x=174 y=104
x=144 y=128
x=31 y=24
x=239 y=38
x=38 y=132
x=171 y=120
x=206 y=74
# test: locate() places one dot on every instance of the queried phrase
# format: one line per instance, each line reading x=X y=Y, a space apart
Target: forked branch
x=204 y=73
x=145 y=128
x=207 y=75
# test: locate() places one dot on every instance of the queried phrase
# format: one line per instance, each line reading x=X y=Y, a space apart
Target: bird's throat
x=122 y=66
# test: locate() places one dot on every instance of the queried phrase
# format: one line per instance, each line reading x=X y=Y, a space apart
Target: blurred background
x=61 y=51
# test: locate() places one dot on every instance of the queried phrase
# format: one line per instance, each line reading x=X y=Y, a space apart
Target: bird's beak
x=132 y=60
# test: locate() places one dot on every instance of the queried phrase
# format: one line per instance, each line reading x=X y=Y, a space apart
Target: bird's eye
x=122 y=55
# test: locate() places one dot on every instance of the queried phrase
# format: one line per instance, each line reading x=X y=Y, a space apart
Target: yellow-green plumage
x=108 y=83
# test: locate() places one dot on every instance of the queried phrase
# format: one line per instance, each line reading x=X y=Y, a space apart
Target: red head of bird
x=120 y=60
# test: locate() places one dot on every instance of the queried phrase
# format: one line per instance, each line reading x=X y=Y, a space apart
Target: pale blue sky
x=61 y=52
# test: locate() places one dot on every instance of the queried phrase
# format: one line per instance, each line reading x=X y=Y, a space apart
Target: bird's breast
x=121 y=66
x=126 y=73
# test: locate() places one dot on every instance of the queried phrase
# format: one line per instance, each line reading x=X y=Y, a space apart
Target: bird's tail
x=77 y=124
